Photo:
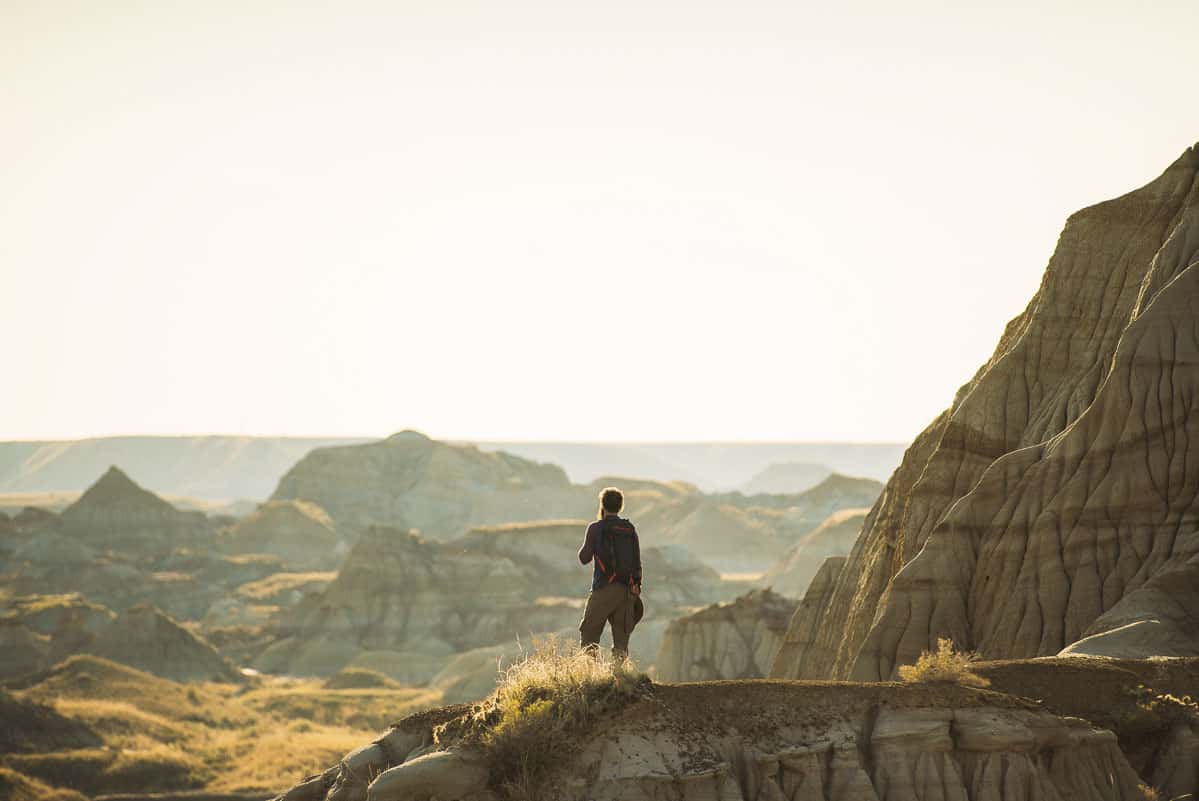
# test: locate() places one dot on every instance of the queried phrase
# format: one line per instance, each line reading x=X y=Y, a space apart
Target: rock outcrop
x=1060 y=481
x=734 y=640
x=767 y=741
x=409 y=480
x=792 y=574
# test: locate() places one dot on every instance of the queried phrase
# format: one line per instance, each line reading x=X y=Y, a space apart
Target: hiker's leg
x=600 y=604
x=622 y=624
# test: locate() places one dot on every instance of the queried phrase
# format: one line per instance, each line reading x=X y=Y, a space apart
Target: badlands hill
x=409 y=606
x=1054 y=498
x=409 y=480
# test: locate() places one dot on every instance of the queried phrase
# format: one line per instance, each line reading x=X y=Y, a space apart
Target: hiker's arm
x=588 y=549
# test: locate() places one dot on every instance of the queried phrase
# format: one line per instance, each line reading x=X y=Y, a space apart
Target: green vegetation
x=946 y=664
x=159 y=735
x=540 y=707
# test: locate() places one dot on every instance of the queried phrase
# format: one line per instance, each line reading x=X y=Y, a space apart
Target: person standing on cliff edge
x=611 y=542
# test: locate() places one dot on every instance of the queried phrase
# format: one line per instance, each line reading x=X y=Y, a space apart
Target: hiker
x=616 y=577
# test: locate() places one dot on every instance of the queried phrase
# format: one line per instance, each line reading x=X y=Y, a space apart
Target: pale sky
x=767 y=221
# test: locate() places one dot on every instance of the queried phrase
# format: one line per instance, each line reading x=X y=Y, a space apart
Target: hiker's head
x=611 y=502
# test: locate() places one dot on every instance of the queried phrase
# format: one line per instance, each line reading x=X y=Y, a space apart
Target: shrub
x=1149 y=793
x=541 y=707
x=947 y=664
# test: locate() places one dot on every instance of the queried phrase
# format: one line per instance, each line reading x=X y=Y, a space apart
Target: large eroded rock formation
x=734 y=640
x=1061 y=480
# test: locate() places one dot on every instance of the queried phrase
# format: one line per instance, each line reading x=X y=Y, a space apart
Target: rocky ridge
x=767 y=741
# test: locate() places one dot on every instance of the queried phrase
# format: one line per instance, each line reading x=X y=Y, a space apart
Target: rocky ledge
x=768 y=741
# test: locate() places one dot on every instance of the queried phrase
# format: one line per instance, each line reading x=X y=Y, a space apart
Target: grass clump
x=946 y=664
x=541 y=709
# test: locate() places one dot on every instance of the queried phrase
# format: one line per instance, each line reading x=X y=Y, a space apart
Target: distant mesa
x=1052 y=507
x=786 y=478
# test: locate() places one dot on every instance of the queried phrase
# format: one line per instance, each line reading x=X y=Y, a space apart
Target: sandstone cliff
x=734 y=640
x=1060 y=480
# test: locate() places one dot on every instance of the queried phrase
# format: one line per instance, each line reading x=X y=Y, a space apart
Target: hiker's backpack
x=621 y=552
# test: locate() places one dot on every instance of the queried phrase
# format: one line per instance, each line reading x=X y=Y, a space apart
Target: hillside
x=1059 y=484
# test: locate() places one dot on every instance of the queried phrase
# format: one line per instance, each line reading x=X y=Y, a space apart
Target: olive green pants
x=612 y=604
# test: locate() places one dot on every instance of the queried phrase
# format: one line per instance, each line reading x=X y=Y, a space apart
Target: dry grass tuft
x=1149 y=793
x=947 y=664
x=542 y=708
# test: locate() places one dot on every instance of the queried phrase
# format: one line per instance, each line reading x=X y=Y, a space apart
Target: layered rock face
x=409 y=480
x=735 y=640
x=792 y=574
x=759 y=741
x=1060 y=480
x=399 y=592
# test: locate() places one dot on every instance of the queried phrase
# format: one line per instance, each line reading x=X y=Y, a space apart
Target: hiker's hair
x=611 y=502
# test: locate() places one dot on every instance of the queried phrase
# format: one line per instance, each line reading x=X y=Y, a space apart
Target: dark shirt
x=591 y=543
